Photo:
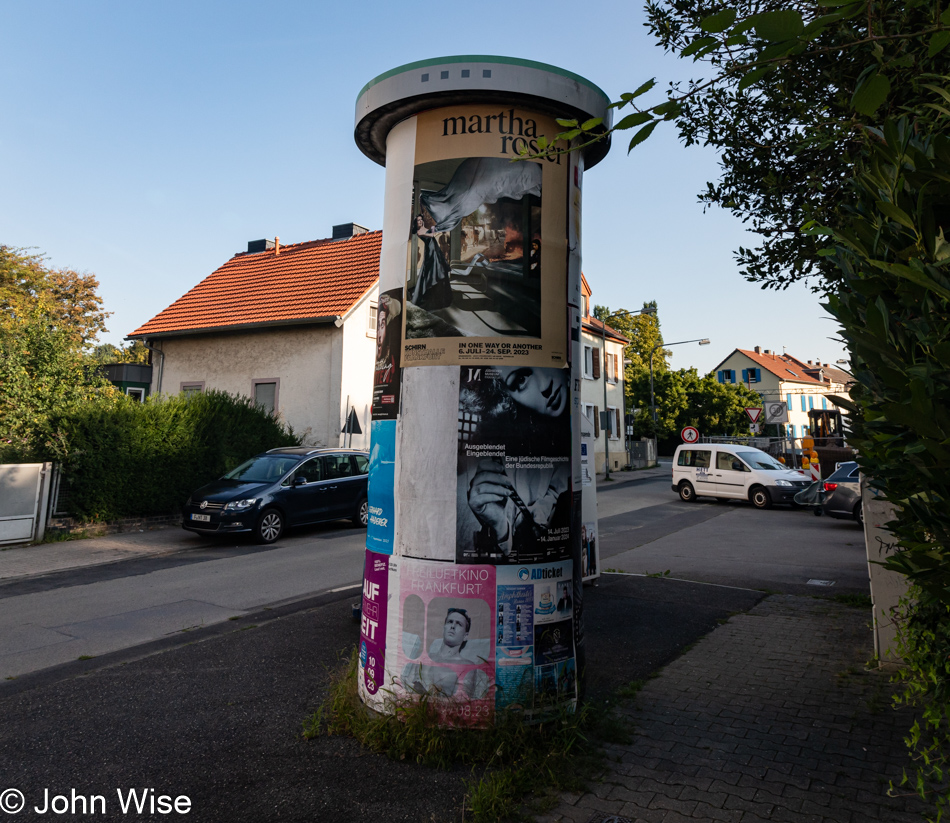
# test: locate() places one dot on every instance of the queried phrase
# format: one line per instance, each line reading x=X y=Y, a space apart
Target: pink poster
x=446 y=643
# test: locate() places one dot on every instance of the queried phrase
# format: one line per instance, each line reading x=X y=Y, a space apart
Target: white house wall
x=307 y=361
x=356 y=372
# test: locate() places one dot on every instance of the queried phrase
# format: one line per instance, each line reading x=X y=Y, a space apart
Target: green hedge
x=121 y=458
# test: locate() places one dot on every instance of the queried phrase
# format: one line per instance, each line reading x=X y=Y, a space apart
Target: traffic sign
x=776 y=412
x=754 y=414
x=690 y=434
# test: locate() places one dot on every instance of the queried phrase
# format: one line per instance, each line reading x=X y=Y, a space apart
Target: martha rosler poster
x=514 y=445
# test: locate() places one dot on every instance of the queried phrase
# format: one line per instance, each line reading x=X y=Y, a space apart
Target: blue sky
x=148 y=142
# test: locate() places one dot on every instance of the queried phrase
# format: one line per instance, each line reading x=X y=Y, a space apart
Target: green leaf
x=753 y=77
x=938 y=43
x=542 y=143
x=737 y=40
x=776 y=26
x=593 y=123
x=871 y=94
x=631 y=120
x=697 y=44
x=830 y=4
x=642 y=135
x=567 y=124
x=644 y=88
x=945 y=18
x=894 y=213
x=720 y=21
x=667 y=107
x=567 y=136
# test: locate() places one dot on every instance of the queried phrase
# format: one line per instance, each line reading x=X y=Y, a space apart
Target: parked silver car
x=843 y=494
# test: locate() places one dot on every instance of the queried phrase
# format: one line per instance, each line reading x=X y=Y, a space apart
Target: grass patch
x=510 y=760
x=856 y=601
x=86 y=657
x=63 y=536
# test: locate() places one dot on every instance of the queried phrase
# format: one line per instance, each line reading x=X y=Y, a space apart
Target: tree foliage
x=830 y=118
x=643 y=331
x=684 y=398
x=47 y=319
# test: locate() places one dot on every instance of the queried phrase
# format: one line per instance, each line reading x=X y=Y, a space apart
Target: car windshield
x=266 y=468
x=761 y=461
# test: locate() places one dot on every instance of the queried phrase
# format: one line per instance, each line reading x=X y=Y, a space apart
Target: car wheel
x=817 y=511
x=760 y=498
x=361 y=517
x=859 y=514
x=270 y=526
x=687 y=493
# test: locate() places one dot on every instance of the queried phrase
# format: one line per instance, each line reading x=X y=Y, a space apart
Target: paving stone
x=766 y=718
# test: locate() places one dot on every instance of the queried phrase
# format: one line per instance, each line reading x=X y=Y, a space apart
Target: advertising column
x=472 y=586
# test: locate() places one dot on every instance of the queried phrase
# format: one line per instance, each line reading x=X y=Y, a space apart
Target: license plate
x=204 y=518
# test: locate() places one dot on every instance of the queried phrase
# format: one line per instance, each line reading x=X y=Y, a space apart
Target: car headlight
x=782 y=483
x=240 y=505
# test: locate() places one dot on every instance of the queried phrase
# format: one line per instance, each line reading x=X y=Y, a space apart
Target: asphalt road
x=179 y=698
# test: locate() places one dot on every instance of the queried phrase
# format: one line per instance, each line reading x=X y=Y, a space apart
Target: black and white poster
x=514 y=477
x=388 y=349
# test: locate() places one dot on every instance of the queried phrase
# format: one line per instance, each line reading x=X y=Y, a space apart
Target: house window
x=371 y=324
x=192 y=388
x=264 y=392
x=588 y=362
x=589 y=410
x=611 y=366
x=583 y=305
x=727 y=376
x=136 y=394
x=613 y=422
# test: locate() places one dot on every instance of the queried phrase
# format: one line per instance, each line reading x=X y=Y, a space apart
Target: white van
x=728 y=471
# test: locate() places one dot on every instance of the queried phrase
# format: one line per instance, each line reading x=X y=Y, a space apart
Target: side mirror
x=737 y=466
x=300 y=481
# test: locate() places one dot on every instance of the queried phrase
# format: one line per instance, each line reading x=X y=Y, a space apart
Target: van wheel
x=270 y=526
x=859 y=514
x=760 y=498
x=687 y=494
x=360 y=517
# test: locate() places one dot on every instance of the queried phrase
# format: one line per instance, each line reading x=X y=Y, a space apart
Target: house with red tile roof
x=602 y=387
x=291 y=326
x=802 y=385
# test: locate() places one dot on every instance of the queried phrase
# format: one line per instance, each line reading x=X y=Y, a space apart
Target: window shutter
x=758 y=375
x=745 y=375
x=596 y=421
x=721 y=378
x=616 y=369
x=596 y=359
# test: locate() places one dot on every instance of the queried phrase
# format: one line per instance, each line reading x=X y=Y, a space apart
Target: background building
x=803 y=385
x=602 y=385
x=293 y=327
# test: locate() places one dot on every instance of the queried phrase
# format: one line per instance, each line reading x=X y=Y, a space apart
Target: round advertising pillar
x=472 y=590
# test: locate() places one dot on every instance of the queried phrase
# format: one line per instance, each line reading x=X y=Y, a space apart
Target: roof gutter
x=237 y=327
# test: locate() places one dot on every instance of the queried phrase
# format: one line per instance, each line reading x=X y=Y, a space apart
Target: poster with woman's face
x=388 y=350
x=486 y=264
x=514 y=479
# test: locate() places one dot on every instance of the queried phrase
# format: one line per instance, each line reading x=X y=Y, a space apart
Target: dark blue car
x=282 y=488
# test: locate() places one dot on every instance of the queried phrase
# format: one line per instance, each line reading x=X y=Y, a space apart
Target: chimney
x=345 y=230
x=257 y=246
x=276 y=246
x=758 y=350
x=809 y=363
x=767 y=351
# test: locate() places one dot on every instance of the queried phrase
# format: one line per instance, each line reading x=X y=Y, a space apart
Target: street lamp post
x=704 y=341
x=603 y=333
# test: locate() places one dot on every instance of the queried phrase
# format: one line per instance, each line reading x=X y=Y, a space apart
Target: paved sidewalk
x=771 y=717
x=42 y=558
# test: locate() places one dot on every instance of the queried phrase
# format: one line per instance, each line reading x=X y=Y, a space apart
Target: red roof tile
x=321 y=278
x=783 y=366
